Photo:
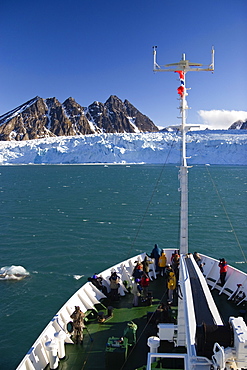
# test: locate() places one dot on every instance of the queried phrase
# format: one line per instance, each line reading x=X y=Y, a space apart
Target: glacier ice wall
x=212 y=147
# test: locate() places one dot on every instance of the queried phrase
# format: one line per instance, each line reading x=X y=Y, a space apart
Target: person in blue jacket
x=156 y=253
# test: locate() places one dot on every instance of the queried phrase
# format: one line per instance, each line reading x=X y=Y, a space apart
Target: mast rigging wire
x=151 y=197
x=227 y=215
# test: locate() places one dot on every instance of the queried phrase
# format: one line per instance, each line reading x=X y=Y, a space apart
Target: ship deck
x=93 y=353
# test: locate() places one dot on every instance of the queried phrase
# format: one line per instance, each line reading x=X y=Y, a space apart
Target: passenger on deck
x=171 y=285
x=145 y=284
x=223 y=271
x=197 y=258
x=175 y=264
x=173 y=254
x=114 y=285
x=201 y=266
x=136 y=291
x=130 y=333
x=138 y=272
x=146 y=265
x=162 y=263
x=97 y=281
x=78 y=324
x=168 y=269
x=156 y=252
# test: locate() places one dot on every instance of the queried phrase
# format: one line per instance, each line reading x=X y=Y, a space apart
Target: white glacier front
x=204 y=147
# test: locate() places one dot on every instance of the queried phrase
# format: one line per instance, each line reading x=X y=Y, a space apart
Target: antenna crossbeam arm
x=183 y=65
x=209 y=68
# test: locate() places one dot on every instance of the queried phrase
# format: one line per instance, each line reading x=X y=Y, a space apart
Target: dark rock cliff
x=239 y=125
x=39 y=118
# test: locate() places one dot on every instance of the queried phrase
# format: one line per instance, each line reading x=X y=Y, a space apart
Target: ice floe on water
x=13 y=273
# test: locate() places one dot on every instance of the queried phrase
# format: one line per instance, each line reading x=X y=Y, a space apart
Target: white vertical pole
x=154 y=54
x=183 y=173
x=184 y=180
x=184 y=210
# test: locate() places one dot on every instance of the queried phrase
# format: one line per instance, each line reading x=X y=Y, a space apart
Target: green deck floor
x=91 y=355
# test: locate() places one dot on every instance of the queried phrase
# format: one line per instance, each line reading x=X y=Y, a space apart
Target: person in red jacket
x=145 y=284
x=223 y=271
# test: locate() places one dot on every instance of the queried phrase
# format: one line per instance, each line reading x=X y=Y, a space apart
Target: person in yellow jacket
x=162 y=263
x=171 y=285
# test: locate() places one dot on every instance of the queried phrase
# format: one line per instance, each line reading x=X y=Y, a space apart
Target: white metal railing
x=234 y=277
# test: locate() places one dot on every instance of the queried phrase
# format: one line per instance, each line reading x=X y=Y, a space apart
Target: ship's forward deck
x=93 y=353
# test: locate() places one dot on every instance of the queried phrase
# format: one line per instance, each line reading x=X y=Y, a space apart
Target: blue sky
x=91 y=49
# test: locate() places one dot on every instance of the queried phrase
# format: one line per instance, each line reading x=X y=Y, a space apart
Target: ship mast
x=182 y=68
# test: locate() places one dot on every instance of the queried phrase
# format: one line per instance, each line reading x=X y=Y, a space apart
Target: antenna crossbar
x=183 y=65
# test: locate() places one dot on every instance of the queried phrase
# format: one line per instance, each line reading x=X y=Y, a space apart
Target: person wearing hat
x=168 y=269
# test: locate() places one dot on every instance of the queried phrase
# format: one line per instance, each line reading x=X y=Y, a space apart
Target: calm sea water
x=61 y=221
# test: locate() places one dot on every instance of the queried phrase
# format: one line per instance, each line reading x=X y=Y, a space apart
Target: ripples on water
x=63 y=223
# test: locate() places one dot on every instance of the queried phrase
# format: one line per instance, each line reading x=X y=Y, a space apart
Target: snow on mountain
x=212 y=147
x=42 y=118
x=16 y=111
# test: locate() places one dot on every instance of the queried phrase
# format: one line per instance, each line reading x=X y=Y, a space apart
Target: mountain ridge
x=40 y=118
x=239 y=125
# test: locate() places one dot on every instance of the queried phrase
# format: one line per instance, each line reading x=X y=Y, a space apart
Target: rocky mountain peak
x=239 y=125
x=39 y=118
x=115 y=103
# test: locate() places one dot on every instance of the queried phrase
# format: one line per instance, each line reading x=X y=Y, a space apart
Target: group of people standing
x=142 y=276
x=161 y=265
x=169 y=271
x=142 y=280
